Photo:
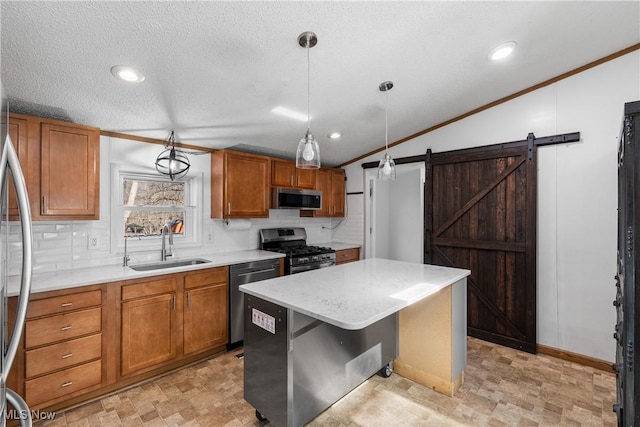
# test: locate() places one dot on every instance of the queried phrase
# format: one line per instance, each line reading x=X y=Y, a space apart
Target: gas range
x=293 y=243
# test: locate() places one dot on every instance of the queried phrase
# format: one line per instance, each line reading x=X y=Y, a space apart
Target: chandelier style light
x=308 y=153
x=387 y=167
x=172 y=162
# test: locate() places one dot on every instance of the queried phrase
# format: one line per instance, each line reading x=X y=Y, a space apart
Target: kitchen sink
x=168 y=264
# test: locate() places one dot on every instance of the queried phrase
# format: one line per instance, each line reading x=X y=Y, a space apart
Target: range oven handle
x=307 y=267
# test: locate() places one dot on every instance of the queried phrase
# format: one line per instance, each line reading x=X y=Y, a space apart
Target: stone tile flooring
x=503 y=387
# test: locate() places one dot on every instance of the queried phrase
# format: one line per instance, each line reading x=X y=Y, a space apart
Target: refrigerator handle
x=11 y=160
x=18 y=403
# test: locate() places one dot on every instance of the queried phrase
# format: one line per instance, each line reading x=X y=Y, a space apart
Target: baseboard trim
x=576 y=358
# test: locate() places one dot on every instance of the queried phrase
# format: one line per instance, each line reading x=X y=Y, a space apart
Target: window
x=150 y=204
x=144 y=202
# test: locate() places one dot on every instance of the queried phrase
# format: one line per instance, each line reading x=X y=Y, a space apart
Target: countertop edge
x=88 y=276
x=402 y=303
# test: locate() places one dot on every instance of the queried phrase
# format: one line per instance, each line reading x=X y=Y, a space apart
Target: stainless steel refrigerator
x=12 y=404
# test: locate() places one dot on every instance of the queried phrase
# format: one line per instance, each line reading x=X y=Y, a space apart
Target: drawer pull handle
x=66 y=356
x=66 y=304
x=67 y=384
x=65 y=328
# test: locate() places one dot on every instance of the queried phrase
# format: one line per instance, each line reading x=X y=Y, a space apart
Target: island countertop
x=355 y=295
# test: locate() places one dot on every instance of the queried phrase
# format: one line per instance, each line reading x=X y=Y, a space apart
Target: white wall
x=577 y=194
x=63 y=245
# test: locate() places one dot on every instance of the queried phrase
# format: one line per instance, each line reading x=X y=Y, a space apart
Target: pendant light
x=172 y=162
x=387 y=167
x=308 y=153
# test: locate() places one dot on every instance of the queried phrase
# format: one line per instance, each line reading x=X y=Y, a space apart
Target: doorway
x=394 y=214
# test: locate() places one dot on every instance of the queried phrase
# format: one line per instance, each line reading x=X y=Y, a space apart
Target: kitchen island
x=312 y=337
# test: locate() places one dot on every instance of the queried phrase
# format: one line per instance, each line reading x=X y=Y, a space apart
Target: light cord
x=386 y=121
x=308 y=84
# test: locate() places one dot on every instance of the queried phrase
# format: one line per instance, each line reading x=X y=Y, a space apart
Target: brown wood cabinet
x=61 y=164
x=69 y=170
x=331 y=182
x=63 y=346
x=239 y=185
x=172 y=317
x=205 y=310
x=347 y=255
x=149 y=325
x=85 y=342
x=18 y=134
x=285 y=174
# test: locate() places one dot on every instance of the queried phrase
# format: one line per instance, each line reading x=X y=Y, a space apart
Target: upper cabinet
x=18 y=134
x=239 y=185
x=332 y=184
x=285 y=174
x=69 y=171
x=61 y=164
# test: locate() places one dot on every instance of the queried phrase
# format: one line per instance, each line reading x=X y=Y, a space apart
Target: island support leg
x=433 y=340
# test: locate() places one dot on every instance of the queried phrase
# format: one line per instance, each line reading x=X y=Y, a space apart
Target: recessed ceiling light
x=334 y=135
x=126 y=73
x=502 y=51
x=290 y=113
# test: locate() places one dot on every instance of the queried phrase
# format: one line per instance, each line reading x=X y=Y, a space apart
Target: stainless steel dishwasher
x=239 y=274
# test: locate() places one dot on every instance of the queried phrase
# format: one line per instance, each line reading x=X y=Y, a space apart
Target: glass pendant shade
x=172 y=163
x=387 y=168
x=308 y=154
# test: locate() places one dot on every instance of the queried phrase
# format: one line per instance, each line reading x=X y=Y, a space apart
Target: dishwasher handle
x=267 y=270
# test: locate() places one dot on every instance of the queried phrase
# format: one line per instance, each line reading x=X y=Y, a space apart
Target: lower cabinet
x=149 y=325
x=82 y=343
x=347 y=255
x=169 y=318
x=205 y=310
x=63 y=347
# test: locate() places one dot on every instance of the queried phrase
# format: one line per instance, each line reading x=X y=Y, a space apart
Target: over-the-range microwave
x=296 y=198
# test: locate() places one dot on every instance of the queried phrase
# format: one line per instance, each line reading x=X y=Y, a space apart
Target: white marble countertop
x=64 y=279
x=356 y=294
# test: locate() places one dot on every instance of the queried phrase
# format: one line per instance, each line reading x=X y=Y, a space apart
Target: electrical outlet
x=94 y=242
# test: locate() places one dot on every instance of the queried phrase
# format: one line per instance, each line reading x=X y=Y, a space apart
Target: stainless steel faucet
x=165 y=252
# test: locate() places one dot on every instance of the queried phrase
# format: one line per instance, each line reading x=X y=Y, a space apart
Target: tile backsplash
x=64 y=245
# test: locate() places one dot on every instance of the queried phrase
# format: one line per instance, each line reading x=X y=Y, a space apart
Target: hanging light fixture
x=172 y=162
x=308 y=153
x=387 y=167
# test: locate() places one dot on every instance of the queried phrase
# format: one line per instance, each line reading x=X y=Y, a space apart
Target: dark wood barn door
x=480 y=214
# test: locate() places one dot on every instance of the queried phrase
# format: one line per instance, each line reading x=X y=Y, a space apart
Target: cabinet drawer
x=347 y=255
x=57 y=356
x=62 y=383
x=145 y=289
x=62 y=327
x=214 y=275
x=64 y=303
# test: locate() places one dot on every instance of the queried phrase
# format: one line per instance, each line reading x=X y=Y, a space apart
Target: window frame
x=192 y=218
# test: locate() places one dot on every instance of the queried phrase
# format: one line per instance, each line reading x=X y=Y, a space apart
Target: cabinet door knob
x=65 y=328
x=66 y=356
x=67 y=384
x=66 y=304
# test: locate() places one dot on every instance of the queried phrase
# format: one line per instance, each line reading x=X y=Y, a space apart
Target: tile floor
x=503 y=387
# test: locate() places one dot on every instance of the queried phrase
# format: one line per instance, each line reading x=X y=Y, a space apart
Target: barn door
x=481 y=215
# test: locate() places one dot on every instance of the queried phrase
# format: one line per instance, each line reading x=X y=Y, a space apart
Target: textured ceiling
x=215 y=70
